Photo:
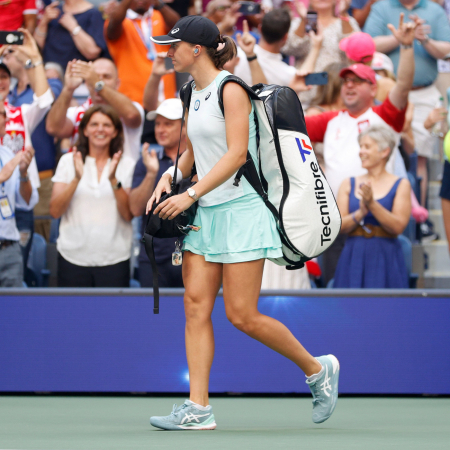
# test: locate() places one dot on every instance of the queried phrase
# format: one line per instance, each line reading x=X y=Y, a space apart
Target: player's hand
x=163 y=187
x=170 y=208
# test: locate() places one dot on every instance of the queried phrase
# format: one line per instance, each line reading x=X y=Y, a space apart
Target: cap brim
x=343 y=44
x=151 y=115
x=164 y=40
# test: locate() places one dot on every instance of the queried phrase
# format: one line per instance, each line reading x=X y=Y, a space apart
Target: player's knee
x=196 y=309
x=242 y=321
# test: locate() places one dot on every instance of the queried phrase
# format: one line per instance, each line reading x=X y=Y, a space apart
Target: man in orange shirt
x=128 y=32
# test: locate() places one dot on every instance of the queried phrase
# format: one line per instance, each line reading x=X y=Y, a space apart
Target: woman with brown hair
x=90 y=194
x=237 y=231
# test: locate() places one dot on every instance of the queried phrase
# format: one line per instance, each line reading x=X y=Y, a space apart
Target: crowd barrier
x=108 y=340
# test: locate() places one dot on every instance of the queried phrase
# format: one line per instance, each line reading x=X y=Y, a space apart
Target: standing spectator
x=15 y=189
x=274 y=32
x=128 y=31
x=16 y=14
x=69 y=30
x=42 y=142
x=339 y=130
x=432 y=42
x=445 y=189
x=375 y=209
x=102 y=81
x=332 y=29
x=24 y=119
x=90 y=194
x=147 y=173
x=360 y=48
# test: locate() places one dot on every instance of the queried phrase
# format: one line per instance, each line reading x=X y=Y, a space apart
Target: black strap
x=185 y=94
x=147 y=240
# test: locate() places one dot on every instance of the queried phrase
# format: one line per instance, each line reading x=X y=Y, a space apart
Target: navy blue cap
x=196 y=30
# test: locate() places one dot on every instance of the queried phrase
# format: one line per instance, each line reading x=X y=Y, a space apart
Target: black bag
x=164 y=228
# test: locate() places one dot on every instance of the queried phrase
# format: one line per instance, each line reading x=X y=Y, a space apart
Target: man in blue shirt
x=147 y=173
x=15 y=190
x=432 y=42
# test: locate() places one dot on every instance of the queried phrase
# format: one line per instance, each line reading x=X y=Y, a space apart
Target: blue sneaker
x=186 y=417
x=325 y=389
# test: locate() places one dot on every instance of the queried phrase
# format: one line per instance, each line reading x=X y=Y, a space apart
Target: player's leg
x=202 y=282
x=241 y=288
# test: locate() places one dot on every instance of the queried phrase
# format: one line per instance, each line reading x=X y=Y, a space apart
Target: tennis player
x=237 y=233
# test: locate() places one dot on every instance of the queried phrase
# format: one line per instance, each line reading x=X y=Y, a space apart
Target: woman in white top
x=237 y=230
x=90 y=194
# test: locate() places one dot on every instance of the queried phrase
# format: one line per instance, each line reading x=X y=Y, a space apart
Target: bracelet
x=76 y=30
x=171 y=172
x=405 y=47
x=251 y=58
x=24 y=179
x=40 y=33
x=354 y=218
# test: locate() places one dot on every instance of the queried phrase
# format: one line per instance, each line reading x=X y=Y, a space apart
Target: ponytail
x=225 y=52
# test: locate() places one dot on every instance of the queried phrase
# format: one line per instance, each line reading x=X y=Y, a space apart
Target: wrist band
x=405 y=47
x=76 y=30
x=171 y=172
x=251 y=58
x=354 y=218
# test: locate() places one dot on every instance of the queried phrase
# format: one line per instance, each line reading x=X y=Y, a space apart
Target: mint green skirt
x=236 y=231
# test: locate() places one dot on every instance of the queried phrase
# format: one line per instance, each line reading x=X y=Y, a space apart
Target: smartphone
x=249 y=8
x=311 y=22
x=11 y=38
x=168 y=63
x=317 y=78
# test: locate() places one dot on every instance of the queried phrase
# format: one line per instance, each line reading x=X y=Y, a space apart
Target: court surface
x=97 y=423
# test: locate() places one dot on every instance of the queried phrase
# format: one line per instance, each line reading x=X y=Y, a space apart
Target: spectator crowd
x=90 y=119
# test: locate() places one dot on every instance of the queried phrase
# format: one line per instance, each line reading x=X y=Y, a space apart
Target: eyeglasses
x=222 y=8
x=356 y=80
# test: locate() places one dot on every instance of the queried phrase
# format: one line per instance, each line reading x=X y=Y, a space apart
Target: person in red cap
x=339 y=130
x=360 y=48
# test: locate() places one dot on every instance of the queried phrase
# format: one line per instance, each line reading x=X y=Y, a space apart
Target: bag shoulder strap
x=234 y=79
x=147 y=240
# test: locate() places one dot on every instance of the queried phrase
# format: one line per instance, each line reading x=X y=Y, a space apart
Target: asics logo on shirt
x=326 y=383
x=209 y=95
x=190 y=417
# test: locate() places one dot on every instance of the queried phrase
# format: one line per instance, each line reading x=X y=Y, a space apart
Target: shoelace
x=316 y=396
x=177 y=408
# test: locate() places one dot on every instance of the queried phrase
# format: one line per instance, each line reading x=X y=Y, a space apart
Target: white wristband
x=171 y=172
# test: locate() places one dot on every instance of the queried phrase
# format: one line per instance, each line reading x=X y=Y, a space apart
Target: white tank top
x=206 y=131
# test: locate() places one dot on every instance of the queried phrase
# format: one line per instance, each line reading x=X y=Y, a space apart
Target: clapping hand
x=246 y=40
x=113 y=165
x=159 y=65
x=405 y=32
x=150 y=159
x=71 y=81
x=25 y=160
x=78 y=164
x=366 y=193
x=85 y=71
x=422 y=30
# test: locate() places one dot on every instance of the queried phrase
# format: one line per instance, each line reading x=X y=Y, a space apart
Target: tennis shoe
x=325 y=389
x=186 y=417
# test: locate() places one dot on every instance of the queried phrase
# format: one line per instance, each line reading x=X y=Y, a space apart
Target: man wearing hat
x=147 y=173
x=339 y=130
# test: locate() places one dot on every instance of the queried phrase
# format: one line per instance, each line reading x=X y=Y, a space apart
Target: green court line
x=97 y=423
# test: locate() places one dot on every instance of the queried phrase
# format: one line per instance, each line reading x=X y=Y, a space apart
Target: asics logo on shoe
x=190 y=417
x=326 y=383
